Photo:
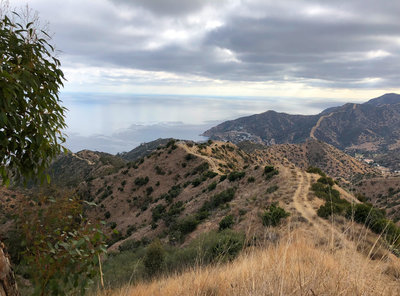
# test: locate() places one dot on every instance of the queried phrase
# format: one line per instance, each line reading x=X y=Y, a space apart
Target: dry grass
x=298 y=265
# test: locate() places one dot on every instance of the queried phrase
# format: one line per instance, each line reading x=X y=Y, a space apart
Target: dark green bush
x=273 y=215
x=233 y=176
x=269 y=172
x=226 y=222
x=149 y=190
x=200 y=169
x=196 y=182
x=157 y=212
x=272 y=189
x=251 y=180
x=330 y=208
x=140 y=181
x=326 y=180
x=174 y=211
x=212 y=186
x=315 y=170
x=189 y=157
x=154 y=258
x=221 y=247
x=187 y=224
x=219 y=199
x=361 y=197
x=159 y=171
x=172 y=193
x=210 y=174
x=129 y=245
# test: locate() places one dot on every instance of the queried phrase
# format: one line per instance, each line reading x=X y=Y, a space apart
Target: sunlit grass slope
x=297 y=265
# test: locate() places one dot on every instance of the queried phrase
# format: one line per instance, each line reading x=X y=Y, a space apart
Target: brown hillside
x=319 y=154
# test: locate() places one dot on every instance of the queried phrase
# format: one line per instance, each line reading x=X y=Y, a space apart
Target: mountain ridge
x=373 y=126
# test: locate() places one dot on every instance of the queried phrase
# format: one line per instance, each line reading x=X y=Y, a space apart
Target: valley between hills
x=272 y=204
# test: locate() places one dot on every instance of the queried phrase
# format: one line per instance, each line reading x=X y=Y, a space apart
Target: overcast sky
x=333 y=49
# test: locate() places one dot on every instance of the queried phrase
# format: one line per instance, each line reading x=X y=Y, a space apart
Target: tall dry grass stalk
x=297 y=265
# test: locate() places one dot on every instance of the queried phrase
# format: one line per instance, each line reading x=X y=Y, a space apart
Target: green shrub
x=315 y=170
x=233 y=176
x=210 y=174
x=189 y=157
x=218 y=199
x=219 y=247
x=251 y=180
x=212 y=186
x=149 y=190
x=196 y=182
x=130 y=230
x=171 y=144
x=273 y=215
x=226 y=222
x=187 y=224
x=361 y=197
x=326 y=180
x=200 y=169
x=330 y=208
x=157 y=212
x=107 y=215
x=129 y=245
x=222 y=178
x=173 y=212
x=154 y=258
x=272 y=189
x=140 y=181
x=172 y=193
x=269 y=172
x=159 y=171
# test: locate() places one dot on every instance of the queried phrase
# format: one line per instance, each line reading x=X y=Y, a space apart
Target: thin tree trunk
x=8 y=285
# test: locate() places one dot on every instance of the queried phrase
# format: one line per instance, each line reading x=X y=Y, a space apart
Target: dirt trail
x=302 y=203
x=312 y=133
x=80 y=158
x=305 y=207
x=210 y=160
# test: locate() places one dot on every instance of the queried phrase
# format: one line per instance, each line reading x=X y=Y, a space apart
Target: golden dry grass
x=298 y=265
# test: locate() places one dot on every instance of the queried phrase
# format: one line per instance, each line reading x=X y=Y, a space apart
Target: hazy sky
x=335 y=49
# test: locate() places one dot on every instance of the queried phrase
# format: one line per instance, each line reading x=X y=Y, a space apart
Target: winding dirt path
x=306 y=209
x=312 y=133
x=210 y=160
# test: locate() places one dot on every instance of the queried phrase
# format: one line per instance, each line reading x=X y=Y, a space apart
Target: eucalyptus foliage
x=31 y=116
x=62 y=247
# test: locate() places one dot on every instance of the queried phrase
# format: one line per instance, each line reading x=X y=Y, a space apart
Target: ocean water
x=119 y=122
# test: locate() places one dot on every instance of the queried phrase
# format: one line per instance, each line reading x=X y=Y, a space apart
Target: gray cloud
x=166 y=7
x=343 y=44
